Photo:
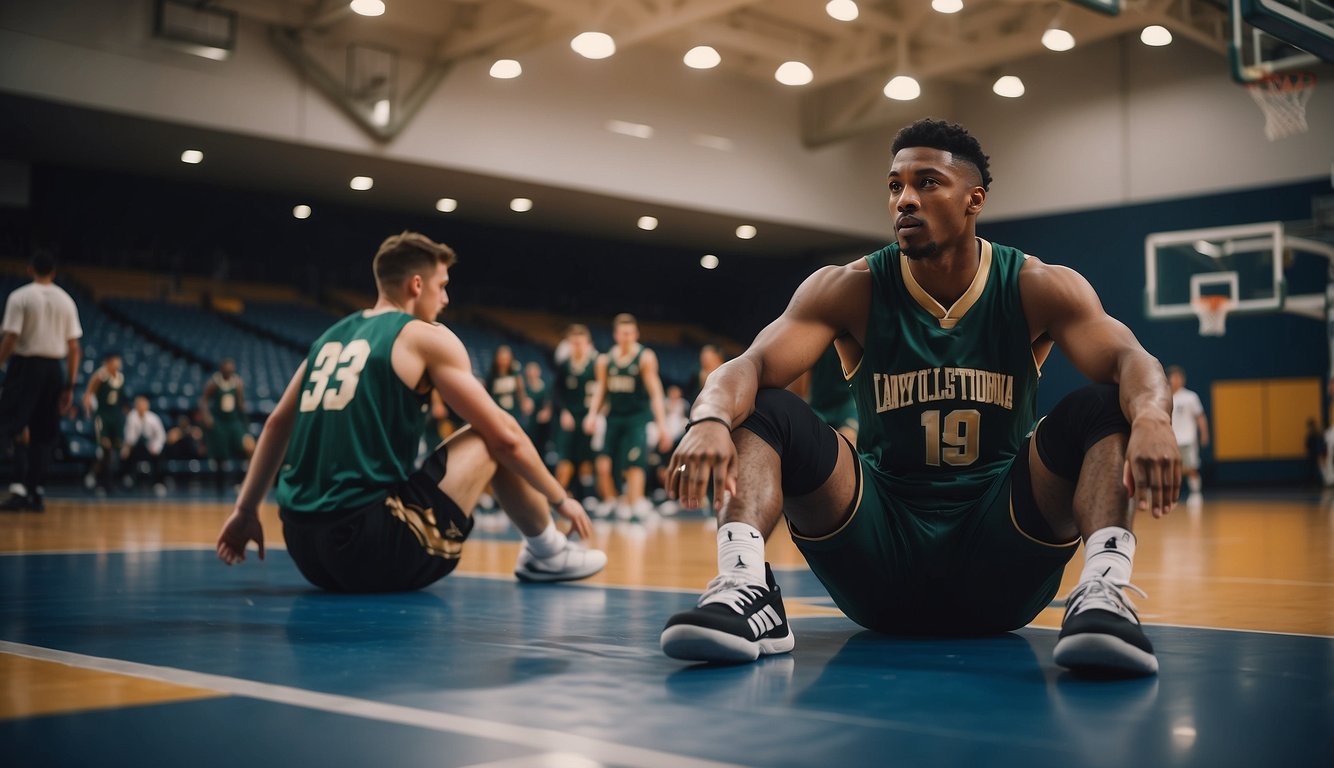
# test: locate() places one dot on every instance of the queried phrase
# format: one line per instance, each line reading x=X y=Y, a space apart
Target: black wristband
x=718 y=419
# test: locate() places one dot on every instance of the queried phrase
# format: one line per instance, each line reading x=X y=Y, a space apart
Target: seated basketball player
x=955 y=513
x=342 y=439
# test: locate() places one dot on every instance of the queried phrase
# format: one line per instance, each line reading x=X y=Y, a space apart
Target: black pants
x=31 y=400
x=406 y=540
x=140 y=454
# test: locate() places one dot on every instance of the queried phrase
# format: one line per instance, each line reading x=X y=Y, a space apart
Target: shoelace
x=1104 y=593
x=742 y=592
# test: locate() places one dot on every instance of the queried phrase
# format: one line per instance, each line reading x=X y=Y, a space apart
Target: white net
x=1283 y=98
x=1213 y=315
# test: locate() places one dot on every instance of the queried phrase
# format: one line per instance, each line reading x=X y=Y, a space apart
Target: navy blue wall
x=1107 y=247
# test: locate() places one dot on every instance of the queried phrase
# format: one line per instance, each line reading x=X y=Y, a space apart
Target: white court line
x=536 y=738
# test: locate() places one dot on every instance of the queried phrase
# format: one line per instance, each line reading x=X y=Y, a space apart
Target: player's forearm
x=268 y=457
x=72 y=363
x=516 y=452
x=7 y=346
x=729 y=392
x=1144 y=390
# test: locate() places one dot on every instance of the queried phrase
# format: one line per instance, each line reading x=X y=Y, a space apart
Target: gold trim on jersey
x=423 y=526
x=949 y=318
x=857 y=468
x=1015 y=522
x=612 y=357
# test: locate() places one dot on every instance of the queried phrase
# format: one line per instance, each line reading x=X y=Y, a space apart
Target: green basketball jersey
x=945 y=398
x=225 y=405
x=110 y=396
x=626 y=394
x=504 y=388
x=577 y=382
x=357 y=424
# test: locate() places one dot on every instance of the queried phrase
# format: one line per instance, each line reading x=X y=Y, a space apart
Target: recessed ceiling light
x=647 y=223
x=380 y=113
x=1008 y=86
x=521 y=205
x=593 y=45
x=793 y=73
x=367 y=7
x=627 y=128
x=506 y=69
x=708 y=261
x=746 y=232
x=1057 y=39
x=361 y=183
x=702 y=57
x=192 y=156
x=446 y=204
x=301 y=211
x=1156 y=36
x=903 y=88
x=947 y=6
x=842 y=10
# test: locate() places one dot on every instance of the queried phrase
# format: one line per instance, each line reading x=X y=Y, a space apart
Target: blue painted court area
x=480 y=670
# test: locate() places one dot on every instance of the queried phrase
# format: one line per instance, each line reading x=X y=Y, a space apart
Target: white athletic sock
x=1194 y=483
x=741 y=552
x=548 y=542
x=1109 y=553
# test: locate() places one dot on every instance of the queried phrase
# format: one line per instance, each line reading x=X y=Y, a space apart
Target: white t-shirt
x=149 y=427
x=44 y=318
x=1186 y=410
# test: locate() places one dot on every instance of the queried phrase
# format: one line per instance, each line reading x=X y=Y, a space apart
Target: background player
x=576 y=379
x=1191 y=428
x=344 y=435
x=223 y=408
x=104 y=401
x=628 y=384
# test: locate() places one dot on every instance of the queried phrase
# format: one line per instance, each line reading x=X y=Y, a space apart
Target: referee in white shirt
x=41 y=328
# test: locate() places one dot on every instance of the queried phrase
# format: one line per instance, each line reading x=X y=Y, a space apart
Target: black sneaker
x=1101 y=632
x=735 y=621
x=16 y=502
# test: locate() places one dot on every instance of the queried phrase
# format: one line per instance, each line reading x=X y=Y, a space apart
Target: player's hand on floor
x=239 y=530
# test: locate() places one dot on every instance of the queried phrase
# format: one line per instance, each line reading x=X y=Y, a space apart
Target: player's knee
x=806 y=446
x=1078 y=422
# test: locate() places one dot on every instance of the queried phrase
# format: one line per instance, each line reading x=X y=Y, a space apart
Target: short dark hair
x=43 y=262
x=577 y=329
x=947 y=137
x=406 y=254
x=1171 y=369
x=625 y=318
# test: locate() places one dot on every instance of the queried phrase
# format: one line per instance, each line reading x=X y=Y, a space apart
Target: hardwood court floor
x=123 y=641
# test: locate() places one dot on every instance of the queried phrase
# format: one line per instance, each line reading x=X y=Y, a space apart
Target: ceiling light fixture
x=842 y=10
x=1057 y=39
x=446 y=205
x=361 y=183
x=506 y=69
x=521 y=205
x=301 y=212
x=647 y=223
x=947 y=6
x=702 y=57
x=1156 y=36
x=367 y=7
x=903 y=88
x=1008 y=86
x=192 y=156
x=627 y=128
x=746 y=232
x=593 y=45
x=708 y=261
x=793 y=73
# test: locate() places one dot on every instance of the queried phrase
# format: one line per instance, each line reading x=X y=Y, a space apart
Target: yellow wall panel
x=1238 y=420
x=1288 y=404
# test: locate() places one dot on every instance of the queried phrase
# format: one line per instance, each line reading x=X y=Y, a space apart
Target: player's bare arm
x=599 y=394
x=90 y=391
x=833 y=303
x=243 y=526
x=434 y=351
x=1061 y=305
x=648 y=371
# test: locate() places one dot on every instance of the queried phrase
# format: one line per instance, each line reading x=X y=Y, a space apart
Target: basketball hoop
x=1212 y=311
x=1282 y=97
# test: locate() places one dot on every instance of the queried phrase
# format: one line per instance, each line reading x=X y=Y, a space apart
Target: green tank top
x=357 y=424
x=110 y=396
x=504 y=388
x=626 y=395
x=224 y=405
x=945 y=399
x=577 y=383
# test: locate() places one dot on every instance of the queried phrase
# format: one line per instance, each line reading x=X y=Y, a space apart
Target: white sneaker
x=573 y=562
x=605 y=509
x=643 y=510
x=624 y=512
x=159 y=489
